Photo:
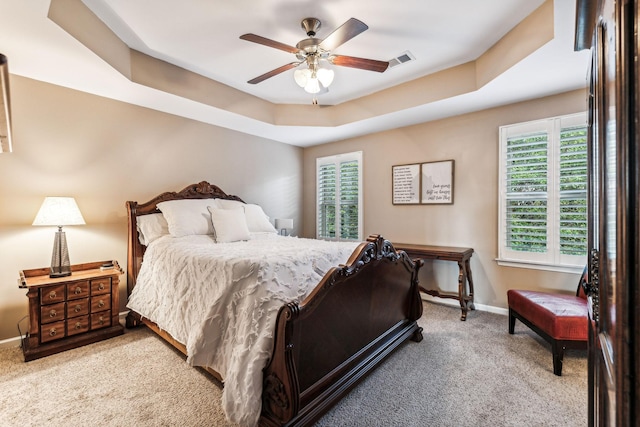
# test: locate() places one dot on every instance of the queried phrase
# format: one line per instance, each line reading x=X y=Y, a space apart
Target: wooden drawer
x=52 y=294
x=77 y=325
x=101 y=286
x=101 y=320
x=52 y=331
x=52 y=312
x=78 y=307
x=79 y=289
x=100 y=303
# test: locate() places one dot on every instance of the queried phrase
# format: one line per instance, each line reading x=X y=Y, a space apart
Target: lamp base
x=54 y=274
x=60 y=265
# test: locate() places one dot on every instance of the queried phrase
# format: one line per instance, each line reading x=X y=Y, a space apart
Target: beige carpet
x=469 y=373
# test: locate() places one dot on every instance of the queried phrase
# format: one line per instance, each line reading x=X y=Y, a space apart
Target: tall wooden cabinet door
x=614 y=233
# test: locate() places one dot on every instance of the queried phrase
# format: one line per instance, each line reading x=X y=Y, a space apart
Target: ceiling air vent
x=401 y=59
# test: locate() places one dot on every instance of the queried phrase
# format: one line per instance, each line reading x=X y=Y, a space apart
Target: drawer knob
x=101 y=286
x=78 y=308
x=52 y=332
x=52 y=313
x=78 y=325
x=100 y=303
x=101 y=320
x=78 y=290
x=52 y=294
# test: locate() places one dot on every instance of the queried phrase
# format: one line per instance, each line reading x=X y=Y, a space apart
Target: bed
x=319 y=343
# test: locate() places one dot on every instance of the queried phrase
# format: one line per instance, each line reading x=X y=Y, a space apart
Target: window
x=339 y=190
x=543 y=193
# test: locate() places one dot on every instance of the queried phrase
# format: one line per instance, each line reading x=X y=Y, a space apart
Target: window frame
x=336 y=160
x=552 y=259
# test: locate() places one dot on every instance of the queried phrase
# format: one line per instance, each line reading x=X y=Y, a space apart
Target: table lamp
x=59 y=211
x=284 y=225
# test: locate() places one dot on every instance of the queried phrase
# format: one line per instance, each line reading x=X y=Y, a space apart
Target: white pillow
x=226 y=204
x=257 y=220
x=150 y=227
x=187 y=217
x=229 y=225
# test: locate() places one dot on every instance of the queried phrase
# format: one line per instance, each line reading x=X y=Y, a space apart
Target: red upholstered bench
x=560 y=319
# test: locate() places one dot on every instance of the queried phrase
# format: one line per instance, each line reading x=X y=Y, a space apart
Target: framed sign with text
x=406 y=184
x=436 y=183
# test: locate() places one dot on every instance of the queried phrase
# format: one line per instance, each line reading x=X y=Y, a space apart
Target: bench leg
x=558 y=353
x=512 y=321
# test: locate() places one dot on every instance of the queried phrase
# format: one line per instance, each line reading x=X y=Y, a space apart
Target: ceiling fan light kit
x=312 y=81
x=311 y=51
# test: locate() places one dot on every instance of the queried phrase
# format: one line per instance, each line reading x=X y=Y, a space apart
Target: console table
x=447 y=253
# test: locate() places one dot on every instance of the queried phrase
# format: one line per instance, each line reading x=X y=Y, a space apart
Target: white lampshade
x=285 y=224
x=59 y=211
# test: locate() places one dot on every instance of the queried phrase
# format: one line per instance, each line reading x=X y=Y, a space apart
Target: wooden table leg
x=467 y=265
x=462 y=290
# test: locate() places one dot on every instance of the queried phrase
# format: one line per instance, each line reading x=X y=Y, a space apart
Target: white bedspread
x=221 y=301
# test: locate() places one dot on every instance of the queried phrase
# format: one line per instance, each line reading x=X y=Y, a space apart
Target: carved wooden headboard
x=135 y=249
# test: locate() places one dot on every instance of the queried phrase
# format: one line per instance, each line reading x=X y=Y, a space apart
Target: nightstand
x=72 y=311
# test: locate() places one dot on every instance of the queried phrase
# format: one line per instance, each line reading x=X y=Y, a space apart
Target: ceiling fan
x=312 y=51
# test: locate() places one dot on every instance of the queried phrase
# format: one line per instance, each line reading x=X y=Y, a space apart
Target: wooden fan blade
x=268 y=42
x=362 y=63
x=275 y=72
x=343 y=34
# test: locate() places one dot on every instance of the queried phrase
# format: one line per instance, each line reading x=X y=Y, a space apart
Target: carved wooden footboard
x=355 y=317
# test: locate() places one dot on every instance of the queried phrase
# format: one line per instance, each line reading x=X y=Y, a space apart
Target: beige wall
x=471 y=140
x=105 y=152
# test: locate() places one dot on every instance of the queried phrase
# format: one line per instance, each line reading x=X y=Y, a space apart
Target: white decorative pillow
x=229 y=225
x=257 y=220
x=150 y=227
x=187 y=217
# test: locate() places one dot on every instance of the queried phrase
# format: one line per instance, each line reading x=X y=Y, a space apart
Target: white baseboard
x=16 y=341
x=455 y=303
x=10 y=342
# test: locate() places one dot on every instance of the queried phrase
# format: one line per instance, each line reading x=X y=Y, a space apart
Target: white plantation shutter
x=526 y=192
x=573 y=190
x=339 y=191
x=350 y=200
x=543 y=197
x=327 y=201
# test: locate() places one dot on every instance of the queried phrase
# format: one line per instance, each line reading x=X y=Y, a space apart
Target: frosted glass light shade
x=302 y=77
x=325 y=76
x=59 y=211
x=311 y=82
x=313 y=86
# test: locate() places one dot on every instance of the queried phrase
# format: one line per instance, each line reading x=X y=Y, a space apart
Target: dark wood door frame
x=610 y=29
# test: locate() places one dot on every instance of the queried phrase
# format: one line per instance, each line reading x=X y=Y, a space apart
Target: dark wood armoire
x=610 y=30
